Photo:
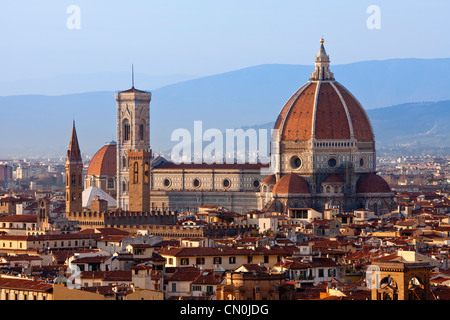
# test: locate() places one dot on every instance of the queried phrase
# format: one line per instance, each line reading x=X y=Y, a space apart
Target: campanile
x=133 y=133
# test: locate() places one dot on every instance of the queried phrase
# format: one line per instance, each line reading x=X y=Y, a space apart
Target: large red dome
x=323 y=110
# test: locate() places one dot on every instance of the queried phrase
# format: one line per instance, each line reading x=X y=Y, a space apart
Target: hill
x=36 y=124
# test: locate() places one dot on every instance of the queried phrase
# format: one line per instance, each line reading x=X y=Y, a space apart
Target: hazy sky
x=202 y=37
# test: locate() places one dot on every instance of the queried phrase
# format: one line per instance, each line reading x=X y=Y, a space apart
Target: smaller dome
x=270 y=180
x=372 y=183
x=104 y=161
x=291 y=184
x=333 y=178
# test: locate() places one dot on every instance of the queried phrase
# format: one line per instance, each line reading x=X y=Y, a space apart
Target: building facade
x=323 y=156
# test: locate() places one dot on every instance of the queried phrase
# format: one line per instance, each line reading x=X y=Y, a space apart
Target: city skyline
x=225 y=151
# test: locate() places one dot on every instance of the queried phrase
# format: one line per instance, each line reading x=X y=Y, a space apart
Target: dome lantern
x=322 y=65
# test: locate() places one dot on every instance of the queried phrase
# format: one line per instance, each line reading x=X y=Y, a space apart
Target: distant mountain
x=408 y=126
x=79 y=83
x=412 y=125
x=33 y=124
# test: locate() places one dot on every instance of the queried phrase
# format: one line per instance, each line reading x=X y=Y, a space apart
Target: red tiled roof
x=326 y=116
x=115 y=275
x=25 y=284
x=96 y=259
x=19 y=218
x=362 y=128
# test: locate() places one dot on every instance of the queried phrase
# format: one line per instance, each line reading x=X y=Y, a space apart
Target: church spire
x=73 y=152
x=322 y=65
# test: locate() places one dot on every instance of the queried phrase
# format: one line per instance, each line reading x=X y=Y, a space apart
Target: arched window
x=73 y=178
x=141 y=132
x=124 y=162
x=110 y=183
x=146 y=173
x=124 y=186
x=126 y=130
x=135 y=172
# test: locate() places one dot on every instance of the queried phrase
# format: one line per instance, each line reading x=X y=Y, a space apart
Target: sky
x=47 y=38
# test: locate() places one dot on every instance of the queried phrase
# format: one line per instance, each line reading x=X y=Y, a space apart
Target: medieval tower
x=133 y=135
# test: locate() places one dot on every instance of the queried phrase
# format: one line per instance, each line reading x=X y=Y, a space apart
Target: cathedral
x=323 y=155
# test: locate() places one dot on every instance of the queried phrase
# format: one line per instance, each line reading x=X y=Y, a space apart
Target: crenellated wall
x=90 y=219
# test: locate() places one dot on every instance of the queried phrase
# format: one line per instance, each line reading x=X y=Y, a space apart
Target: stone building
x=400 y=280
x=255 y=286
x=323 y=153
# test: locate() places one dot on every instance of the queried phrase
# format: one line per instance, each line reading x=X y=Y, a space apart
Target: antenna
x=132 y=76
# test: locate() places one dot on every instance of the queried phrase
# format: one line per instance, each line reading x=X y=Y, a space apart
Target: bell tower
x=133 y=133
x=74 y=172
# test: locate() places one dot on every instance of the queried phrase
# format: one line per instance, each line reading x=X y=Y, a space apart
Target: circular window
x=256 y=184
x=167 y=183
x=196 y=183
x=332 y=162
x=226 y=183
x=296 y=162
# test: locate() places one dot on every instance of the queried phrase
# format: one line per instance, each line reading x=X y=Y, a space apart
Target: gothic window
x=135 y=172
x=124 y=162
x=126 y=130
x=124 y=186
x=73 y=180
